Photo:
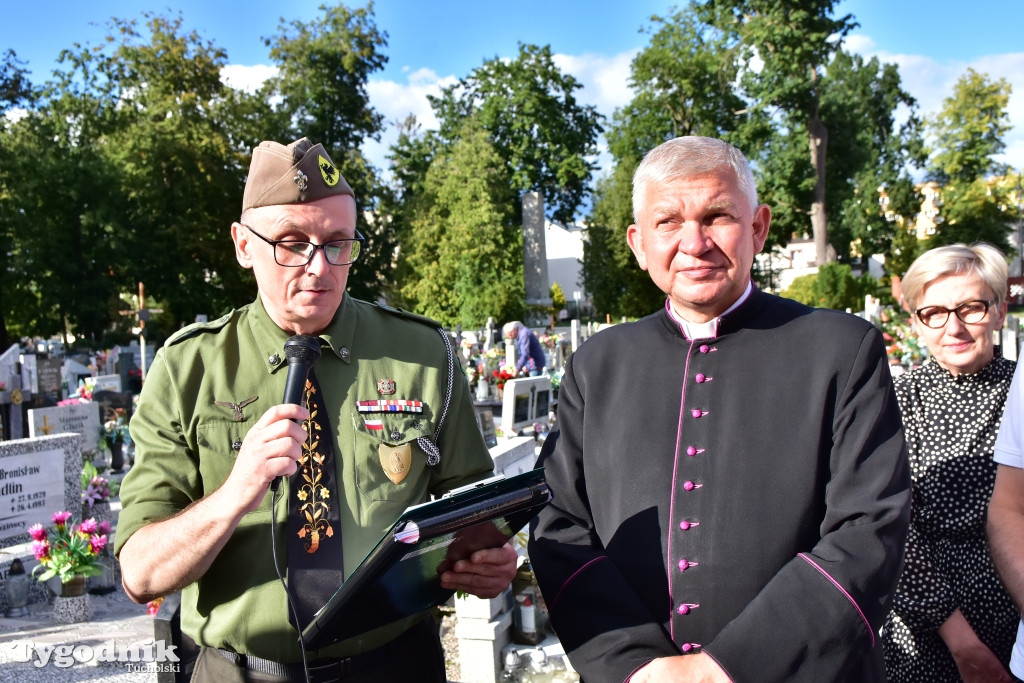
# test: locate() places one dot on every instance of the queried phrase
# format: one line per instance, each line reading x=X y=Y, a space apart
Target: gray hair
x=979 y=259
x=690 y=156
x=510 y=327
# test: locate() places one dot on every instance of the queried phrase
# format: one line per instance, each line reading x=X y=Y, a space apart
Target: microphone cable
x=284 y=584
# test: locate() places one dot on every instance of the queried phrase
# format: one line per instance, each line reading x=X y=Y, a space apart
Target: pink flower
x=61 y=518
x=98 y=543
x=37 y=532
x=41 y=550
x=104 y=527
x=88 y=527
x=153 y=606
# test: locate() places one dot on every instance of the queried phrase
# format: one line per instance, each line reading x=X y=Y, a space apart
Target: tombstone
x=129 y=372
x=526 y=401
x=37 y=478
x=74 y=372
x=29 y=372
x=110 y=383
x=490 y=333
x=485 y=420
x=12 y=407
x=535 y=258
x=110 y=402
x=49 y=378
x=82 y=419
x=1009 y=342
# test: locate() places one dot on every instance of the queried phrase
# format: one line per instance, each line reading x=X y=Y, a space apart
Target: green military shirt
x=186 y=443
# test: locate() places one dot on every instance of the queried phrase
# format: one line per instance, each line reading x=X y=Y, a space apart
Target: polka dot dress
x=951 y=425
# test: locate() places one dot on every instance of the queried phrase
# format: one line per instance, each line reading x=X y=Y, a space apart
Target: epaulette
x=409 y=315
x=194 y=329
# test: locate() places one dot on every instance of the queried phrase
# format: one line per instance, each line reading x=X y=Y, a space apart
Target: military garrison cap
x=300 y=172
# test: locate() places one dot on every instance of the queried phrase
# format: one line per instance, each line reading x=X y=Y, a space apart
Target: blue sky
x=431 y=44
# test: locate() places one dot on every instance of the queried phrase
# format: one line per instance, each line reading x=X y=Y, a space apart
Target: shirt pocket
x=387 y=443
x=219 y=443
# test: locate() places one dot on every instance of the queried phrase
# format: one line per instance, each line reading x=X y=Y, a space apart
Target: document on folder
x=400 y=576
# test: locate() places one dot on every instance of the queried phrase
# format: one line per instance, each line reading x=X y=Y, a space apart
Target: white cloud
x=247 y=78
x=395 y=102
x=605 y=79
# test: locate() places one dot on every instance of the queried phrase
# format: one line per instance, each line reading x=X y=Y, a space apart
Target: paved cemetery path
x=115 y=618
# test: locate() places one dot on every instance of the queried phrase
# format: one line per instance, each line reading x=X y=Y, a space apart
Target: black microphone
x=302 y=352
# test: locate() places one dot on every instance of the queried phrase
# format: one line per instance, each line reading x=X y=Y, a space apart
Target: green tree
x=684 y=84
x=158 y=90
x=833 y=286
x=793 y=42
x=15 y=90
x=860 y=99
x=966 y=135
x=62 y=277
x=616 y=284
x=323 y=70
x=464 y=259
x=540 y=131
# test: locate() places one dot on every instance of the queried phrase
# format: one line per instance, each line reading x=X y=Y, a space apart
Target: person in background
x=952 y=619
x=730 y=486
x=530 y=359
x=388 y=423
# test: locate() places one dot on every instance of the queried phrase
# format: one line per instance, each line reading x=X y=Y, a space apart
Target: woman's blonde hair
x=979 y=259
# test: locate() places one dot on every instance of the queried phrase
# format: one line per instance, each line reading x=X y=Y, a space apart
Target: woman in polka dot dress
x=951 y=619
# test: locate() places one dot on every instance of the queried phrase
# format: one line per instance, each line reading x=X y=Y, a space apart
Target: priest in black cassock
x=731 y=489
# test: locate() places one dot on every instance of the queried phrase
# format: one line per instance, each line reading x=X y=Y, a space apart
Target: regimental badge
x=237 y=416
x=396 y=461
x=386 y=387
x=327 y=170
x=302 y=180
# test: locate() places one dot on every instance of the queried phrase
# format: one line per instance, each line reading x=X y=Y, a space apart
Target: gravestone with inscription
x=37 y=478
x=49 y=378
x=107 y=383
x=82 y=419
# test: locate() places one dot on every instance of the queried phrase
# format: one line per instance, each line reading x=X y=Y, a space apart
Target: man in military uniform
x=212 y=435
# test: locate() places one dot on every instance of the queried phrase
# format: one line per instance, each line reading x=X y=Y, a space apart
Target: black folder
x=400 y=576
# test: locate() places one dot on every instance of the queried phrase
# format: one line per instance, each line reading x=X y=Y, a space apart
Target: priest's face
x=696 y=236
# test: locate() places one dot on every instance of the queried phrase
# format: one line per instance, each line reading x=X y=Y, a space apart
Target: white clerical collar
x=708 y=330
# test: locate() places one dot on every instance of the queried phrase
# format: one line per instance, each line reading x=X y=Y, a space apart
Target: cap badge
x=327 y=170
x=386 y=387
x=301 y=180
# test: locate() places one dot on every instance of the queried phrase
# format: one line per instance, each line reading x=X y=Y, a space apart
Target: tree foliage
x=833 y=286
x=966 y=136
x=792 y=42
x=130 y=161
x=541 y=132
x=323 y=70
x=464 y=244
x=770 y=77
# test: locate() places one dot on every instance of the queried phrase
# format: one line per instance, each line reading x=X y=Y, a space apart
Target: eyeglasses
x=969 y=313
x=298 y=253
